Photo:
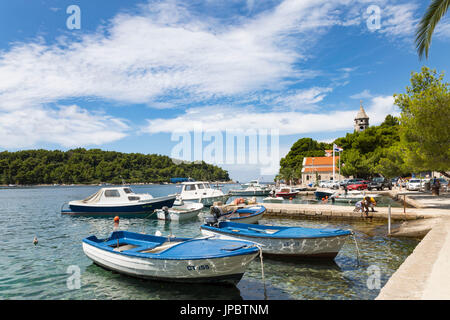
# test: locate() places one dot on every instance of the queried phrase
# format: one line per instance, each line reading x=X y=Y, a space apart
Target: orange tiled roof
x=321 y=161
x=320 y=169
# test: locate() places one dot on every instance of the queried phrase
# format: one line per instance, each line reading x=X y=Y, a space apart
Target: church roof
x=361 y=113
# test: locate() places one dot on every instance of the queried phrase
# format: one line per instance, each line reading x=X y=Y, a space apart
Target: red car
x=360 y=185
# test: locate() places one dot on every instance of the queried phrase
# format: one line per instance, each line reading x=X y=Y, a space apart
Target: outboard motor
x=213 y=220
x=165 y=210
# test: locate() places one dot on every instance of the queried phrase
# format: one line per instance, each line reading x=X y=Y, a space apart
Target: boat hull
x=286 y=195
x=327 y=247
x=322 y=194
x=245 y=215
x=180 y=213
x=135 y=209
x=254 y=193
x=228 y=270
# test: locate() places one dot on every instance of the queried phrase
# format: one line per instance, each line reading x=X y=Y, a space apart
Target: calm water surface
x=40 y=272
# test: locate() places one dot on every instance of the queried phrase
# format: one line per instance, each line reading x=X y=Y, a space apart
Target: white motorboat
x=273 y=199
x=202 y=192
x=352 y=196
x=251 y=191
x=180 y=211
x=120 y=201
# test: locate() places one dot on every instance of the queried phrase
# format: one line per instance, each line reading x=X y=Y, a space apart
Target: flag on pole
x=336 y=148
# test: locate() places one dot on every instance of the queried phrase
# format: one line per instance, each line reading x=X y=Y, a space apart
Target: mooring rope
x=262 y=270
x=357 y=249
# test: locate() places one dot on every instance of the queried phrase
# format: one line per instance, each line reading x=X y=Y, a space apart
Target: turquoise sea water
x=43 y=271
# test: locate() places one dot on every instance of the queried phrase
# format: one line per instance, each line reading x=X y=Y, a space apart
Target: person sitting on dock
x=362 y=206
x=371 y=203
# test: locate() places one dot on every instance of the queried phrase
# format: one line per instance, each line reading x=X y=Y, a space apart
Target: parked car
x=380 y=183
x=343 y=182
x=444 y=184
x=332 y=184
x=323 y=183
x=352 y=181
x=413 y=185
x=358 y=185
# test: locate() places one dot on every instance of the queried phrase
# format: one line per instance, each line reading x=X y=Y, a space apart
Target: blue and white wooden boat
x=283 y=241
x=118 y=201
x=172 y=259
x=245 y=215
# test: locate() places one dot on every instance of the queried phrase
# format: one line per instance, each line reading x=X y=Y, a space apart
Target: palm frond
x=435 y=11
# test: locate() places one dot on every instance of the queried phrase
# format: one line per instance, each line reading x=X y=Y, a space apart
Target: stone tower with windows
x=361 y=119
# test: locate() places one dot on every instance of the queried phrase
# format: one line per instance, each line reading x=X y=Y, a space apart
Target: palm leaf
x=435 y=11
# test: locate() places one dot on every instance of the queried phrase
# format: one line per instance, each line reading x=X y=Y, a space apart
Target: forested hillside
x=81 y=166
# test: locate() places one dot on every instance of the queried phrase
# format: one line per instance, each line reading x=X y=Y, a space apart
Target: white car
x=332 y=184
x=413 y=185
x=323 y=183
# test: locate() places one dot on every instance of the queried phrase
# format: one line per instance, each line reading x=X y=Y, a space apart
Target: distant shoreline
x=102 y=184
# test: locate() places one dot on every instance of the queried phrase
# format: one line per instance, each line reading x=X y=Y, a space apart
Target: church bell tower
x=361 y=119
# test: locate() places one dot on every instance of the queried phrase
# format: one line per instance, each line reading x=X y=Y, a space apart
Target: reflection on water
x=40 y=272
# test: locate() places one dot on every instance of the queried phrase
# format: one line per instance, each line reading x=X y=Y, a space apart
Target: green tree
x=424 y=122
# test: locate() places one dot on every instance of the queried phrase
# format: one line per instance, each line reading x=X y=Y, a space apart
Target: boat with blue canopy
x=281 y=240
x=118 y=201
x=208 y=260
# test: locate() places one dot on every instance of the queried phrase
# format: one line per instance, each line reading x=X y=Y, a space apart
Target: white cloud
x=165 y=54
x=69 y=126
x=216 y=118
x=365 y=94
x=302 y=99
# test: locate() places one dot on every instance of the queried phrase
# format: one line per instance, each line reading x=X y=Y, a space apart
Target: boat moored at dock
x=118 y=201
x=182 y=211
x=202 y=192
x=251 y=214
x=204 y=260
x=283 y=241
x=286 y=192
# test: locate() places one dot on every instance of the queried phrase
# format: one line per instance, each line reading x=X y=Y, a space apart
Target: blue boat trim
x=187 y=249
x=253 y=212
x=257 y=231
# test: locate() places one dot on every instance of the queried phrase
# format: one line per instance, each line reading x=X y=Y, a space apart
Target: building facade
x=315 y=169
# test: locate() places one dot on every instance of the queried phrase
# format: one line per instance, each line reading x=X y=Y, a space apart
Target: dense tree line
x=81 y=166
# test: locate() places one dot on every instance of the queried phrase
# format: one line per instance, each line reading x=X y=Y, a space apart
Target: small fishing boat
x=120 y=201
x=273 y=199
x=282 y=241
x=286 y=192
x=202 y=192
x=250 y=191
x=319 y=194
x=245 y=215
x=180 y=211
x=352 y=197
x=172 y=259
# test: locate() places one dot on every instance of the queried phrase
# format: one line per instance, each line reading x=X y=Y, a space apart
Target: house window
x=307 y=178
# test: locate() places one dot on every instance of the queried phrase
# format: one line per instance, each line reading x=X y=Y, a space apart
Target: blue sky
x=138 y=71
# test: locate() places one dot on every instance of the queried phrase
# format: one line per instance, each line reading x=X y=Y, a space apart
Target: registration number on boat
x=201 y=267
